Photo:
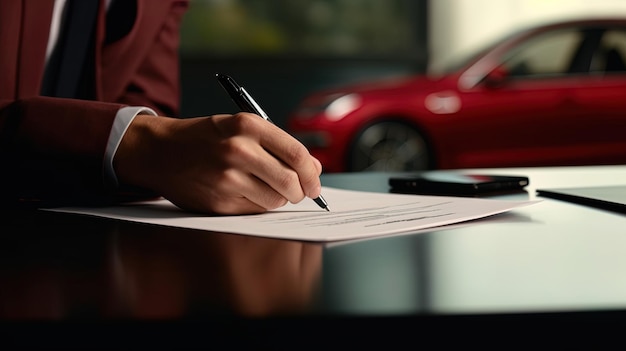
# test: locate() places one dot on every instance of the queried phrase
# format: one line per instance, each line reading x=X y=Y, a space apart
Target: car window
x=611 y=54
x=455 y=63
x=548 y=54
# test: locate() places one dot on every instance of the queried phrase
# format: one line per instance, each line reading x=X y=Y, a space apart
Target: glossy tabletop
x=549 y=257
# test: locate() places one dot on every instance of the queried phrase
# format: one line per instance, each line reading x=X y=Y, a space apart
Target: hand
x=223 y=164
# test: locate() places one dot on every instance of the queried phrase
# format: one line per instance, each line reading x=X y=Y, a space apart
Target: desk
x=553 y=259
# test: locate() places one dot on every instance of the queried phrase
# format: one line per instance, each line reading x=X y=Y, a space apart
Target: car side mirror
x=496 y=77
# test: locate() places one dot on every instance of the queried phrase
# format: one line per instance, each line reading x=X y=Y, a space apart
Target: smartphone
x=446 y=183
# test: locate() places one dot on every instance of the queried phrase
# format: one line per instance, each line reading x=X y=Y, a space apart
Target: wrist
x=123 y=119
x=132 y=159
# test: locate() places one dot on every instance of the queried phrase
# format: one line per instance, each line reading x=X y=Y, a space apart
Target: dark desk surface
x=553 y=259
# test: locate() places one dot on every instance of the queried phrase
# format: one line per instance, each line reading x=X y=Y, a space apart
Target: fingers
x=241 y=192
x=273 y=156
x=299 y=165
x=318 y=165
x=233 y=192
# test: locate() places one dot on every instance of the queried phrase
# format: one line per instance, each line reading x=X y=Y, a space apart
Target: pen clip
x=240 y=96
x=233 y=89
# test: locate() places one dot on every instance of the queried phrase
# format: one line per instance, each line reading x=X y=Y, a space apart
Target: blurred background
x=568 y=84
x=282 y=50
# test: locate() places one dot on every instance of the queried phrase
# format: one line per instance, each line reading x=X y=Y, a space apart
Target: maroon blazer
x=52 y=147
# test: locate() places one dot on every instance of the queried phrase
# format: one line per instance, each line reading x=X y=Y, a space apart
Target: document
x=353 y=215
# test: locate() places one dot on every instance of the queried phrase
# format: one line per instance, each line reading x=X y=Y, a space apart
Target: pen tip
x=327 y=209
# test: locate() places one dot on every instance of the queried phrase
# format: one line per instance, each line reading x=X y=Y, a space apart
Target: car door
x=600 y=102
x=529 y=112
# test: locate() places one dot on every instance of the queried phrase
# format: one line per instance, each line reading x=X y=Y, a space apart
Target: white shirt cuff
x=123 y=119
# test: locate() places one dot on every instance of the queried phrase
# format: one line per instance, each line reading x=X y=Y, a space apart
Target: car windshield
x=453 y=64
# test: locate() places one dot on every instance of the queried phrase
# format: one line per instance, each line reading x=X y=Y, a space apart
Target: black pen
x=247 y=104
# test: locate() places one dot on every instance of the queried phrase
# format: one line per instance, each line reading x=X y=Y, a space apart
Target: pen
x=247 y=104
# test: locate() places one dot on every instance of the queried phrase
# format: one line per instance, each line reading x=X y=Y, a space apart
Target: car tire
x=389 y=146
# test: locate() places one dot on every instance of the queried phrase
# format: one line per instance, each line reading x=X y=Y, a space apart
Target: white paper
x=353 y=215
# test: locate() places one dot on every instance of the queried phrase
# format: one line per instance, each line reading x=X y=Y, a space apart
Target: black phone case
x=418 y=185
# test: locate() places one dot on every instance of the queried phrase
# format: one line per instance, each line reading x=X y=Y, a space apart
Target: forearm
x=53 y=150
x=54 y=127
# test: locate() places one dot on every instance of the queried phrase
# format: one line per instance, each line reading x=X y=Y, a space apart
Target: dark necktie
x=69 y=72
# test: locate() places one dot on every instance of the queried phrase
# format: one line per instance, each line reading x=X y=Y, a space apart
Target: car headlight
x=334 y=107
x=341 y=106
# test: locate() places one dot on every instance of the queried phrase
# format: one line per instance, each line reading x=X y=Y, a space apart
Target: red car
x=553 y=95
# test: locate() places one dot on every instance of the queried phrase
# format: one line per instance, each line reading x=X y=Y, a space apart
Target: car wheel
x=389 y=146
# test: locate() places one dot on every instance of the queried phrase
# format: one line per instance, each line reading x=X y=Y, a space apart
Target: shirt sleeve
x=123 y=119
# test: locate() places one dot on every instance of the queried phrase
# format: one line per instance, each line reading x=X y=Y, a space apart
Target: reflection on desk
x=539 y=267
x=60 y=268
